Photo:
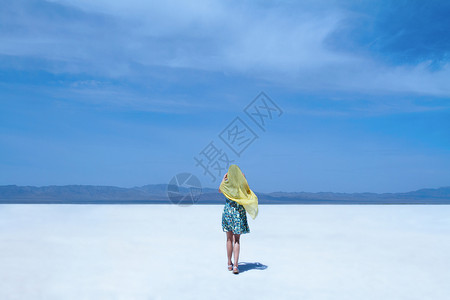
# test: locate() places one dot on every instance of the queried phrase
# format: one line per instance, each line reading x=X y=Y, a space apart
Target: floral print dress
x=234 y=218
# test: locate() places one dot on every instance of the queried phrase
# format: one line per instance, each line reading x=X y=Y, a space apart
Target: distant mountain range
x=157 y=194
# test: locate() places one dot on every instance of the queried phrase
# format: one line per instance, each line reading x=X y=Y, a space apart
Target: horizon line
x=214 y=188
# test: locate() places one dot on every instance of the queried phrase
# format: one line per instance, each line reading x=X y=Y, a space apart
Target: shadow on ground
x=247 y=266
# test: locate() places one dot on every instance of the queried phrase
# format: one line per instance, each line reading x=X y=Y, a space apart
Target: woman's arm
x=224 y=177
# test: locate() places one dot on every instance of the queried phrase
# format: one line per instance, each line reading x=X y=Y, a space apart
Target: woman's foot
x=235 y=270
x=230 y=267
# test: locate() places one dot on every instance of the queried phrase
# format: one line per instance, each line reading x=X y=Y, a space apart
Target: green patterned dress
x=234 y=218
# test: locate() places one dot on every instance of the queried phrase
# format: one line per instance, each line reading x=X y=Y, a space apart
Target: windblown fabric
x=236 y=189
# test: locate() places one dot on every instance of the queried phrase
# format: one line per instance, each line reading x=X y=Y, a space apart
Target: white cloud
x=273 y=43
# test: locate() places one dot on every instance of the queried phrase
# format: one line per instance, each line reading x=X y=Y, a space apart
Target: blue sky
x=127 y=93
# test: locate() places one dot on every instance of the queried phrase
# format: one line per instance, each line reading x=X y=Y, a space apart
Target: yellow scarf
x=236 y=189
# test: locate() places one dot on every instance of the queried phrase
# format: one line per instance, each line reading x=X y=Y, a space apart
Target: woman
x=239 y=200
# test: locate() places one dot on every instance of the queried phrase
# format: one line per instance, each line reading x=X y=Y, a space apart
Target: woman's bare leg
x=236 y=247
x=229 y=246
